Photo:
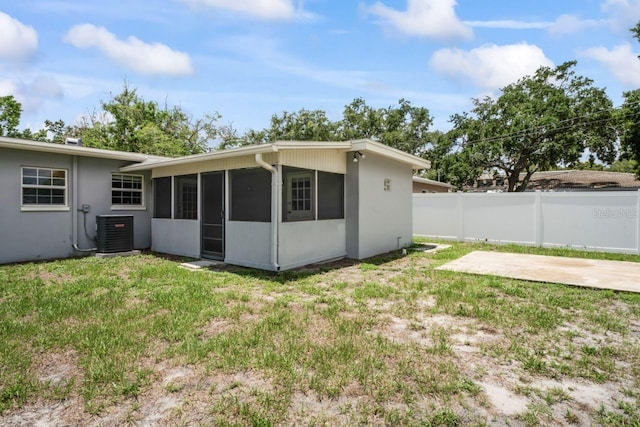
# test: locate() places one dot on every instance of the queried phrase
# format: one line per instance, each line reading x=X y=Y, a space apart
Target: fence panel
x=607 y=221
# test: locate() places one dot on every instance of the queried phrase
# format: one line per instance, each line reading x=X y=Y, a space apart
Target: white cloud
x=624 y=14
x=490 y=66
x=17 y=40
x=621 y=61
x=266 y=52
x=572 y=24
x=8 y=87
x=131 y=53
x=33 y=91
x=261 y=9
x=426 y=18
x=510 y=24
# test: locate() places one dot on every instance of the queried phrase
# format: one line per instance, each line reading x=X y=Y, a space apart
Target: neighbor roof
x=365 y=145
x=432 y=182
x=73 y=150
x=582 y=179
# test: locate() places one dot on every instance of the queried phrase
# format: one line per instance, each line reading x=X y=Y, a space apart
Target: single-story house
x=50 y=195
x=273 y=206
x=425 y=185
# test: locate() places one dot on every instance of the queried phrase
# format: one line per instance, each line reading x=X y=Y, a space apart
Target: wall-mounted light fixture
x=356 y=154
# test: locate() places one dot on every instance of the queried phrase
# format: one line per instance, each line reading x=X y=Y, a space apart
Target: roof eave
x=50 y=147
x=220 y=154
x=384 y=150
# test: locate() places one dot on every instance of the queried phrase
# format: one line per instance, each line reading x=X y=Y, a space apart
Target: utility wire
x=555 y=127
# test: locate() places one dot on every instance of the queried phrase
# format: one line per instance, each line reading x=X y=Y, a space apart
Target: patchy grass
x=389 y=341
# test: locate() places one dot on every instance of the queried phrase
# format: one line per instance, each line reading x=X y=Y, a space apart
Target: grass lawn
x=389 y=341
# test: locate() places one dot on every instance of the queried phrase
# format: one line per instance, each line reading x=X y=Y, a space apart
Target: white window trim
x=141 y=207
x=43 y=207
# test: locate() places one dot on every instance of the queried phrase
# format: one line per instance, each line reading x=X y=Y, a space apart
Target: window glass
x=250 y=195
x=44 y=186
x=330 y=195
x=126 y=190
x=162 y=197
x=186 y=194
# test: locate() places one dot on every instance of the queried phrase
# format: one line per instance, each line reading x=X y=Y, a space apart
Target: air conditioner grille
x=115 y=233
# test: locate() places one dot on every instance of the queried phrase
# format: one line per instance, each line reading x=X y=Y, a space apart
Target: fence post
x=460 y=218
x=538 y=219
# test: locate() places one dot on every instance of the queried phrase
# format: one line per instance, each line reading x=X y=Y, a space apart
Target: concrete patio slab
x=614 y=275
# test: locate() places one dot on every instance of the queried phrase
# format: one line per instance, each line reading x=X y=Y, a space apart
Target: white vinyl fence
x=604 y=221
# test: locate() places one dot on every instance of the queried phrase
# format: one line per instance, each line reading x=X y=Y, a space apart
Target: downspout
x=275 y=209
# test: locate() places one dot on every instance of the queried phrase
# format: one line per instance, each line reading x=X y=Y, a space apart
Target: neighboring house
x=273 y=206
x=583 y=180
x=562 y=180
x=425 y=185
x=44 y=187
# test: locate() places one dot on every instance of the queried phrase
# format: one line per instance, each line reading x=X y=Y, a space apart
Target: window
x=44 y=187
x=303 y=188
x=186 y=197
x=127 y=190
x=250 y=195
x=330 y=195
x=162 y=197
x=300 y=196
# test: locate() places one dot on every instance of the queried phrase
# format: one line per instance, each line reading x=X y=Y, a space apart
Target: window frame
x=305 y=214
x=182 y=200
x=41 y=206
x=164 y=205
x=141 y=190
x=246 y=180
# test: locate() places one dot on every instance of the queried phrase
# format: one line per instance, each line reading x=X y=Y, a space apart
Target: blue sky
x=249 y=59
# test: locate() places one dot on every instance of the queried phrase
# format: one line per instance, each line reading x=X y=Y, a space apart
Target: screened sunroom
x=282 y=205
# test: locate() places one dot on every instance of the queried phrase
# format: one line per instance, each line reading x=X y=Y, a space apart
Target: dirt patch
x=58 y=369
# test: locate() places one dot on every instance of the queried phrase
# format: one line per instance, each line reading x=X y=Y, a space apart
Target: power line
x=556 y=128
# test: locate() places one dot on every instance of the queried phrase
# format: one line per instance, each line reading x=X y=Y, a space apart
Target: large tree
x=10 y=112
x=404 y=126
x=129 y=123
x=630 y=120
x=537 y=123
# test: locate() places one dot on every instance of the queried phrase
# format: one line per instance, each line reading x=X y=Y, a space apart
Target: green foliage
x=314 y=347
x=623 y=165
x=129 y=123
x=404 y=127
x=10 y=112
x=540 y=121
x=630 y=128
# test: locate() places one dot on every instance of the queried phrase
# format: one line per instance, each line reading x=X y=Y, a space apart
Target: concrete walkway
x=615 y=275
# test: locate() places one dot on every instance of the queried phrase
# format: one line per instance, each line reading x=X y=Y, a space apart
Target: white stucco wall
x=176 y=236
x=384 y=218
x=248 y=244
x=307 y=242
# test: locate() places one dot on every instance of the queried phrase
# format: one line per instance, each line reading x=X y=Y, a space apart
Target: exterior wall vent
x=73 y=141
x=115 y=233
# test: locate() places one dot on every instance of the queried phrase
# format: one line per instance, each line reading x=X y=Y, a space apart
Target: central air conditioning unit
x=114 y=233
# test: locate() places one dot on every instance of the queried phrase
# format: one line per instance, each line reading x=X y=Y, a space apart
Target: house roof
x=568 y=180
x=432 y=182
x=73 y=150
x=582 y=179
x=364 y=145
x=145 y=161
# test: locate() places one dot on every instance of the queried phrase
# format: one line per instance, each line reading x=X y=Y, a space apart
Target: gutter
x=275 y=208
